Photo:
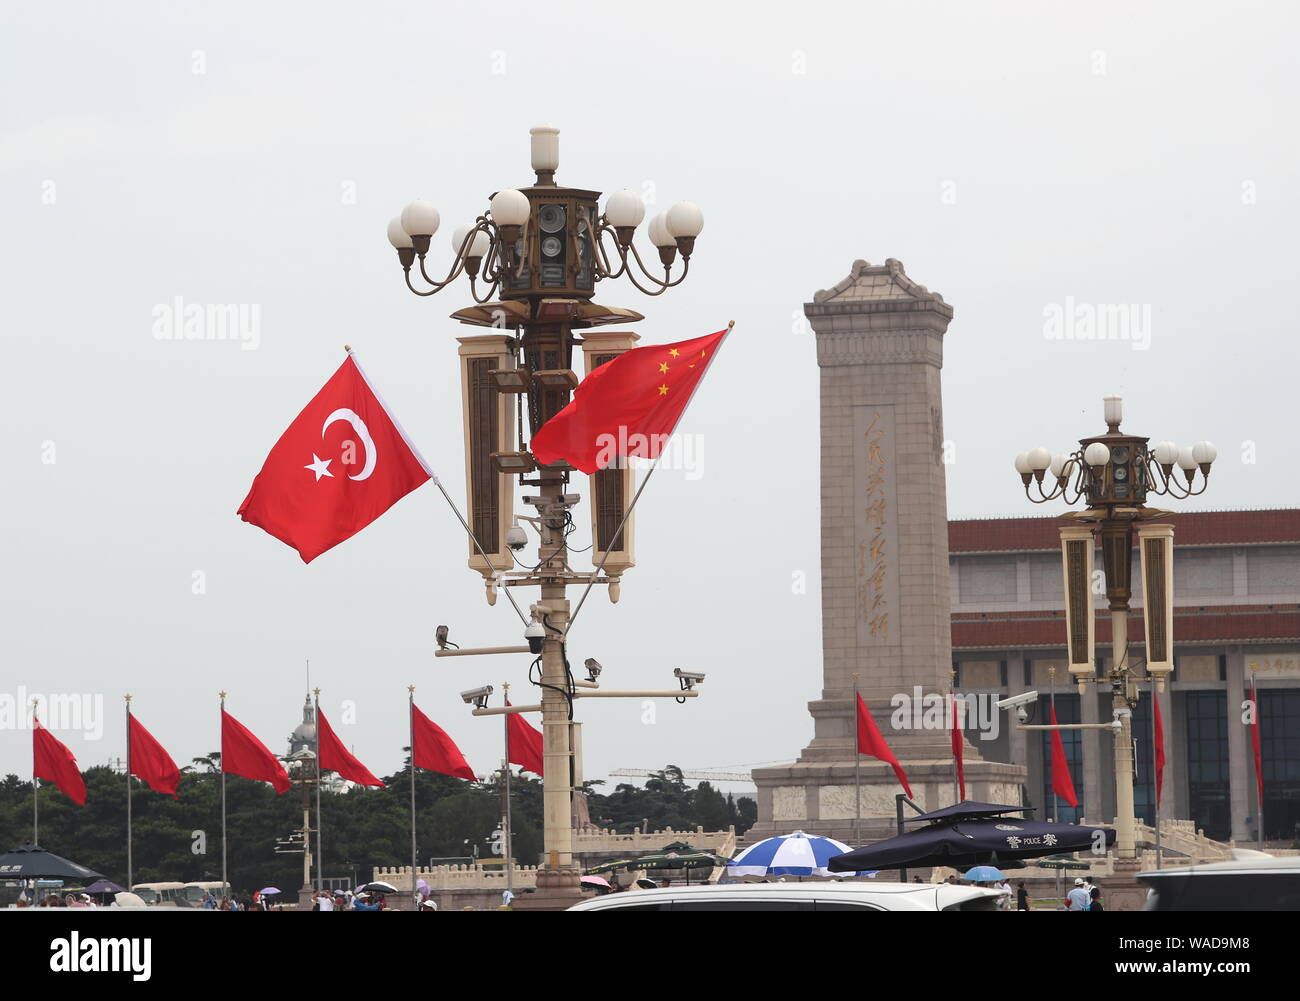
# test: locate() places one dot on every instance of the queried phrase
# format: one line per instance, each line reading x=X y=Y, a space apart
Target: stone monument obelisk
x=886 y=605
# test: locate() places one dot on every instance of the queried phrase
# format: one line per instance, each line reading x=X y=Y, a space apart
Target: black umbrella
x=34 y=862
x=964 y=843
x=104 y=886
x=968 y=809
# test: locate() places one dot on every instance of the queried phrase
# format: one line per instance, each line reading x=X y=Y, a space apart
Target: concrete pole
x=1125 y=840
x=556 y=780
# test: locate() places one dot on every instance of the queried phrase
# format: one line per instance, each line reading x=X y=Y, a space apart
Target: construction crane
x=687 y=773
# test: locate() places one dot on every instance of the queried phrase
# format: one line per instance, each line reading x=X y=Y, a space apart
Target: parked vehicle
x=814 y=896
x=1252 y=881
x=162 y=894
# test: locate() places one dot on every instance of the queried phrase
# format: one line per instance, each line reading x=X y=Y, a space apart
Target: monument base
x=557 y=890
x=1121 y=891
x=820 y=797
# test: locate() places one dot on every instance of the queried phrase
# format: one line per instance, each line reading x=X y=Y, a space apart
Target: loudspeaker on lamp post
x=1080 y=622
x=489 y=428
x=611 y=488
x=1156 y=544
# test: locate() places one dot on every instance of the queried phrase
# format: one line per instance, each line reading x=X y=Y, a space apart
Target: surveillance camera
x=1014 y=701
x=689 y=679
x=1022 y=714
x=593 y=668
x=516 y=538
x=535 y=634
x=442 y=637
x=477 y=697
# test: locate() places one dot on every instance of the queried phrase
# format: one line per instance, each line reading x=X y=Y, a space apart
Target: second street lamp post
x=533 y=260
x=1114 y=473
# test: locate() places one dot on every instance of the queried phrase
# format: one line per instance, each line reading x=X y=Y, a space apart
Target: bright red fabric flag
x=334 y=757
x=243 y=754
x=1062 y=784
x=870 y=741
x=53 y=761
x=957 y=750
x=627 y=407
x=149 y=761
x=1160 y=748
x=342 y=463
x=524 y=743
x=1254 y=739
x=434 y=751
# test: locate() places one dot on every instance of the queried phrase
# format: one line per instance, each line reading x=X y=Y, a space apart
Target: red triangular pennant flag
x=870 y=741
x=342 y=463
x=434 y=751
x=1062 y=784
x=627 y=407
x=334 y=757
x=243 y=754
x=149 y=761
x=53 y=761
x=524 y=743
x=1160 y=749
x=957 y=751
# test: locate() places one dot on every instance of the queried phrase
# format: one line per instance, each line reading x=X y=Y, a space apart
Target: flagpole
x=857 y=768
x=225 y=882
x=410 y=718
x=320 y=826
x=474 y=539
x=510 y=850
x=956 y=781
x=1056 y=800
x=36 y=791
x=1155 y=776
x=129 y=869
x=1259 y=762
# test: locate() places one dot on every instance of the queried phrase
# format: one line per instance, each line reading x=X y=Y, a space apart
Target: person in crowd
x=1022 y=896
x=362 y=903
x=1077 y=899
x=1094 y=899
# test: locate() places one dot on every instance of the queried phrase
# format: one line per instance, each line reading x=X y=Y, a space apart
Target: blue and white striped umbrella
x=796 y=854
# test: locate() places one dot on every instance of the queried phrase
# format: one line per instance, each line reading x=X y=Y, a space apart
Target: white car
x=818 y=896
x=1252 y=881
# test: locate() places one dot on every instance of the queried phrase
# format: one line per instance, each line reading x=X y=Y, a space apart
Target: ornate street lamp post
x=1113 y=473
x=534 y=259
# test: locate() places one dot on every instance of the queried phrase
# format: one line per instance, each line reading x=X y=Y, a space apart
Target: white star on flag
x=319 y=466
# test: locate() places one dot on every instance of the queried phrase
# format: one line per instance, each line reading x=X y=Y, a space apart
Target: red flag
x=243 y=754
x=334 y=757
x=1254 y=738
x=149 y=761
x=1160 y=749
x=627 y=407
x=957 y=750
x=870 y=741
x=1062 y=784
x=342 y=463
x=53 y=761
x=524 y=743
x=434 y=751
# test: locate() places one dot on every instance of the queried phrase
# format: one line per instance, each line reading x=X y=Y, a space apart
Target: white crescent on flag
x=363 y=432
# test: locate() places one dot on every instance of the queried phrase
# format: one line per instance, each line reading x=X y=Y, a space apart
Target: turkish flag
x=870 y=741
x=334 y=757
x=243 y=754
x=1062 y=784
x=523 y=743
x=343 y=462
x=53 y=761
x=149 y=761
x=1160 y=748
x=957 y=750
x=627 y=407
x=434 y=751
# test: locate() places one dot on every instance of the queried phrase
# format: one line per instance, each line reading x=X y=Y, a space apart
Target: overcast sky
x=1015 y=157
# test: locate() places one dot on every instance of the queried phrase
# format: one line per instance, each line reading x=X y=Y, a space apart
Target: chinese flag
x=53 y=761
x=1160 y=748
x=334 y=757
x=1062 y=784
x=957 y=750
x=434 y=751
x=627 y=407
x=870 y=741
x=524 y=743
x=243 y=754
x=149 y=761
x=343 y=462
